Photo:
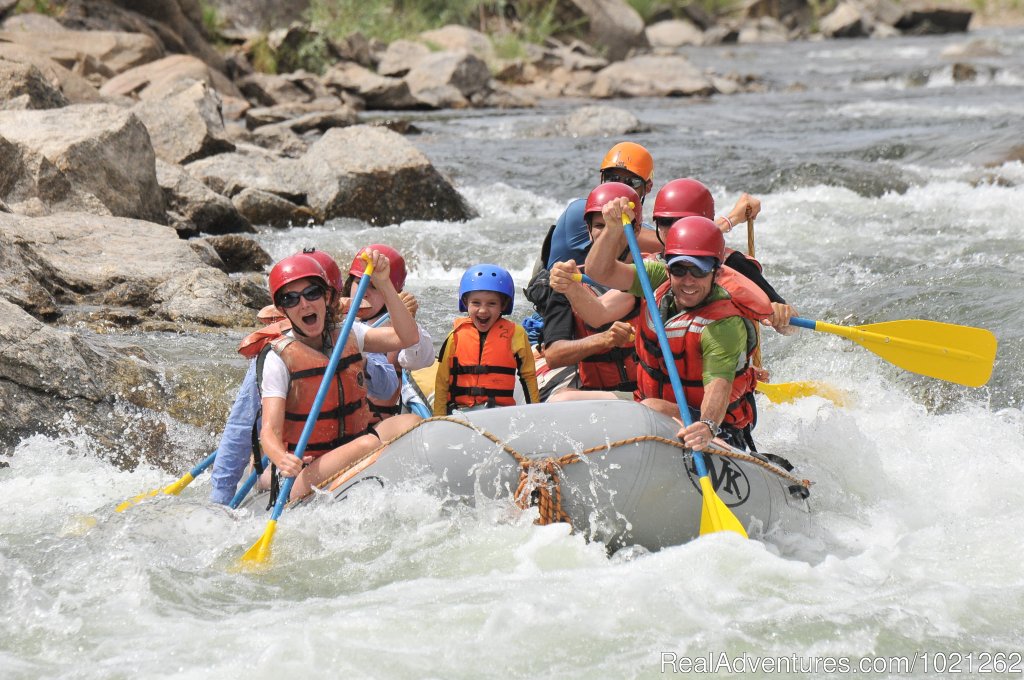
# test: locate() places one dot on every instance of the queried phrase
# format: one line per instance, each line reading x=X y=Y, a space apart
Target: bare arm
x=602 y=263
x=569 y=352
x=595 y=311
x=403 y=331
x=272 y=438
x=716 y=400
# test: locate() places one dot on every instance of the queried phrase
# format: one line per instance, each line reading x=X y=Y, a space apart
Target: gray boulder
x=674 y=33
x=23 y=86
x=598 y=121
x=375 y=175
x=73 y=86
x=652 y=76
x=187 y=125
x=265 y=208
x=63 y=384
x=116 y=51
x=400 y=57
x=845 y=21
x=89 y=157
x=447 y=80
x=377 y=91
x=158 y=79
x=612 y=26
x=193 y=208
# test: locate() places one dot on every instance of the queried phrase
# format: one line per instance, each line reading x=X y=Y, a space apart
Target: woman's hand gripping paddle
x=259 y=553
x=715 y=515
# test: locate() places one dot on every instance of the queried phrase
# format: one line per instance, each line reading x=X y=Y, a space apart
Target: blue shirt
x=570 y=240
x=235 y=449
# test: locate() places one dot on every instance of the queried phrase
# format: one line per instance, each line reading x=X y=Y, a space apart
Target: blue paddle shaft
x=246 y=487
x=321 y=394
x=809 y=324
x=416 y=407
x=666 y=351
x=205 y=463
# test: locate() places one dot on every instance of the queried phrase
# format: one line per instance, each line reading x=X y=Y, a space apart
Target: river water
x=886 y=196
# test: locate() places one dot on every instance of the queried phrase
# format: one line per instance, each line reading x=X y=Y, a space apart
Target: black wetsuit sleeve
x=740 y=263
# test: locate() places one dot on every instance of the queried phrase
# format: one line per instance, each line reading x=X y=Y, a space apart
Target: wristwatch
x=715 y=429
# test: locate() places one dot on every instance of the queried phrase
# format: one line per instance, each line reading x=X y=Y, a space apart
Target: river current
x=887 y=195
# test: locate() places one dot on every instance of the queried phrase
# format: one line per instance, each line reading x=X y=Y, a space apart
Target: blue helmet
x=487 y=277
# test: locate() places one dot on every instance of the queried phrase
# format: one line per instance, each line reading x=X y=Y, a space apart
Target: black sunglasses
x=289 y=300
x=632 y=180
x=693 y=270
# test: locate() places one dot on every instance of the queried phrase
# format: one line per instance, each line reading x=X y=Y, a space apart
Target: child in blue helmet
x=485 y=352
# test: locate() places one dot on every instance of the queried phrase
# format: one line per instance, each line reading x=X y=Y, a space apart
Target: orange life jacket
x=482 y=373
x=611 y=370
x=253 y=344
x=684 y=330
x=344 y=414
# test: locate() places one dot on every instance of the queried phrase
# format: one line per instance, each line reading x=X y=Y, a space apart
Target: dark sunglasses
x=693 y=270
x=632 y=180
x=289 y=300
x=665 y=222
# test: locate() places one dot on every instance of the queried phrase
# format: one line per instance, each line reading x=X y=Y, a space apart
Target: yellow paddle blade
x=257 y=556
x=171 y=490
x=175 y=488
x=136 y=500
x=714 y=514
x=958 y=354
x=781 y=393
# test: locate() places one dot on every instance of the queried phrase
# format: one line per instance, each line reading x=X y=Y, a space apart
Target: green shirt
x=723 y=343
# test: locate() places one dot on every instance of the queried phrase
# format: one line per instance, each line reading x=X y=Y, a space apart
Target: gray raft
x=639 y=493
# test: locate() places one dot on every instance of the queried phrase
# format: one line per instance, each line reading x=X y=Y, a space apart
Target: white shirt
x=419 y=355
x=275 y=373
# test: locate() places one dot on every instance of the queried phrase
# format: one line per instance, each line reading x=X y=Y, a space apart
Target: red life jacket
x=482 y=374
x=611 y=370
x=343 y=415
x=684 y=330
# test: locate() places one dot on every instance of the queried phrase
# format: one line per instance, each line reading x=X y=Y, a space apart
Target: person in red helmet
x=628 y=163
x=687 y=197
x=412 y=358
x=235 y=448
x=292 y=369
x=599 y=354
x=709 y=312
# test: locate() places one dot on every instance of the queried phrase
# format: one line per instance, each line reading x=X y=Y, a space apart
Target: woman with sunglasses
x=293 y=367
x=709 y=312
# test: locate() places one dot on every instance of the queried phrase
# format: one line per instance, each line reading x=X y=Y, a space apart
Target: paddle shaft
x=417 y=407
x=666 y=350
x=757 y=327
x=325 y=385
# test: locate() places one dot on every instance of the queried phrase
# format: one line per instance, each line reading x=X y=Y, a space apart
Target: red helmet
x=293 y=268
x=684 y=198
x=697 y=236
x=329 y=264
x=608 y=191
x=630 y=156
x=395 y=259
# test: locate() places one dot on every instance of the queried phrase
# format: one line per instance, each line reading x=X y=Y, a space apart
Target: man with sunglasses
x=709 y=314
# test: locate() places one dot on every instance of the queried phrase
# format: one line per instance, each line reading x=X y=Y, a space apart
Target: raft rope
x=539 y=480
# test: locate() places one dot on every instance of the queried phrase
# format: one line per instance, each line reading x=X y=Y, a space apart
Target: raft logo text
x=927 y=662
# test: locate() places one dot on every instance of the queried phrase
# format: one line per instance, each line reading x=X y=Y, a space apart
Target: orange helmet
x=632 y=157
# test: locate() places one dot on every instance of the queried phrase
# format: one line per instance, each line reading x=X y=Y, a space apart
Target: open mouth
x=310 y=319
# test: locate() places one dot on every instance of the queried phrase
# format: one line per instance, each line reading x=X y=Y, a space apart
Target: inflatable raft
x=613 y=469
